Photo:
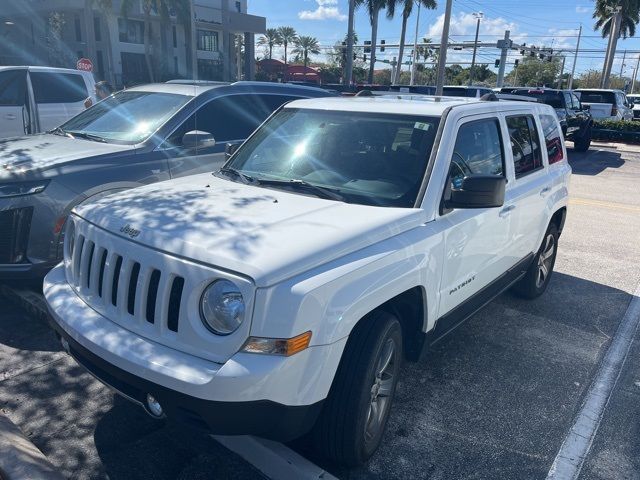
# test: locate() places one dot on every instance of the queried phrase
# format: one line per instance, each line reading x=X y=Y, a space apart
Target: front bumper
x=274 y=397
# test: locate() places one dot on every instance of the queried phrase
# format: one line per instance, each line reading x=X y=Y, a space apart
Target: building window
x=96 y=29
x=100 y=63
x=207 y=40
x=78 y=28
x=130 y=31
x=239 y=7
x=209 y=69
x=175 y=37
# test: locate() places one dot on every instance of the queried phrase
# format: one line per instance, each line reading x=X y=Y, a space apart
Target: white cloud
x=327 y=10
x=580 y=9
x=465 y=24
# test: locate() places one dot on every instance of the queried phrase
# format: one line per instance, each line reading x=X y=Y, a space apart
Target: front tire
x=583 y=143
x=536 y=280
x=355 y=414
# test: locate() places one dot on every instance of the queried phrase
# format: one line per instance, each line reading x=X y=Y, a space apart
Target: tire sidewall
x=552 y=230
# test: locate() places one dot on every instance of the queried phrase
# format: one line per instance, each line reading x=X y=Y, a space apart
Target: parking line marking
x=275 y=460
x=599 y=203
x=577 y=443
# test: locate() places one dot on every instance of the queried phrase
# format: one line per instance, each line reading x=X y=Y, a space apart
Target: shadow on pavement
x=589 y=163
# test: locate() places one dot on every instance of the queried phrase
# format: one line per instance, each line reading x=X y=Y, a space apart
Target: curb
x=21 y=459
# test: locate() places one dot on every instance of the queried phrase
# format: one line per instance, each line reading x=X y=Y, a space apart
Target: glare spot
x=142 y=128
x=299 y=149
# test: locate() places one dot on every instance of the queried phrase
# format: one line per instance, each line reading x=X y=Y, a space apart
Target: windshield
x=366 y=158
x=127 y=117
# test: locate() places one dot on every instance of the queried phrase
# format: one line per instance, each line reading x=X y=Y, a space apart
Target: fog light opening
x=154 y=407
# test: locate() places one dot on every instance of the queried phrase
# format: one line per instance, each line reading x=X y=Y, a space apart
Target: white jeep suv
x=280 y=295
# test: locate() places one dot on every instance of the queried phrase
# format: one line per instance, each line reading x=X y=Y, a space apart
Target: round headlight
x=222 y=307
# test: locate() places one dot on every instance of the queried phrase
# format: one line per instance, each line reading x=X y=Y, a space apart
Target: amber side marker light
x=277 y=346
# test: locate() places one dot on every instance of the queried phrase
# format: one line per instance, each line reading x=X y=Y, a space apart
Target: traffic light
x=516 y=62
x=382 y=42
x=367 y=46
x=497 y=64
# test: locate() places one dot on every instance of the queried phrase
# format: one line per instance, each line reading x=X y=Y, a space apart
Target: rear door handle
x=544 y=191
x=506 y=210
x=10 y=116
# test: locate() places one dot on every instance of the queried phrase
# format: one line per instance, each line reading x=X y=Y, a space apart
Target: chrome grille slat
x=77 y=256
x=162 y=303
x=95 y=268
x=107 y=278
x=85 y=260
x=142 y=292
x=123 y=285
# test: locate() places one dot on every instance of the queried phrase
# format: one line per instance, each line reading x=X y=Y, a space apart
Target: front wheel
x=583 y=143
x=356 y=411
x=535 y=281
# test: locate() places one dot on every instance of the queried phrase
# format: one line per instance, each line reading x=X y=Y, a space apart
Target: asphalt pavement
x=493 y=400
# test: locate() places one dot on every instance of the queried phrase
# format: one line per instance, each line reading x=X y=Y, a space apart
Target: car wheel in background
x=583 y=143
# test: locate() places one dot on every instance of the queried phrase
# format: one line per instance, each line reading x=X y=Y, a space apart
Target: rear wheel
x=535 y=281
x=356 y=411
x=583 y=143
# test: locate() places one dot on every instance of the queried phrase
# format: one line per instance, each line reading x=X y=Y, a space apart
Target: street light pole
x=614 y=33
x=575 y=59
x=414 y=57
x=479 y=16
x=348 y=73
x=444 y=41
x=635 y=74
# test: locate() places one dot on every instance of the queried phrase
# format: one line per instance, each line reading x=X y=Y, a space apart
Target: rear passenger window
x=12 y=88
x=54 y=87
x=525 y=144
x=552 y=138
x=478 y=151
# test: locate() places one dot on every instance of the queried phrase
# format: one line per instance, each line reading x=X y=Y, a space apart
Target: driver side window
x=478 y=151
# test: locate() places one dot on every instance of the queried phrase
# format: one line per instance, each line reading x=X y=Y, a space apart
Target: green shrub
x=617 y=125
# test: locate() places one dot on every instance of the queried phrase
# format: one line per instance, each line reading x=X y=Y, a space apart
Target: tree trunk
x=306 y=58
x=374 y=41
x=285 y=62
x=147 y=42
x=270 y=51
x=401 y=50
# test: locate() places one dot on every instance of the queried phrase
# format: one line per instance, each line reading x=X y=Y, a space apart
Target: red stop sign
x=84 y=64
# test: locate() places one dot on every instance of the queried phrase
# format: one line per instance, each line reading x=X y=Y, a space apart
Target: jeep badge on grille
x=128 y=230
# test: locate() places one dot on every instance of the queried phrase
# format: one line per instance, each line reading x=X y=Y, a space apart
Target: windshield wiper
x=86 y=136
x=59 y=131
x=317 y=190
x=249 y=180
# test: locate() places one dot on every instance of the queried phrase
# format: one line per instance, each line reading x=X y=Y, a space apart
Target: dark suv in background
x=576 y=121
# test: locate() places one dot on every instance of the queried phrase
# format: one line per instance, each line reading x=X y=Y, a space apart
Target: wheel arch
x=558 y=218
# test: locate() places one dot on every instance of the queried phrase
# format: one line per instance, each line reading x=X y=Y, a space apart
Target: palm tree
x=271 y=38
x=605 y=12
x=373 y=9
x=306 y=45
x=407 y=8
x=287 y=35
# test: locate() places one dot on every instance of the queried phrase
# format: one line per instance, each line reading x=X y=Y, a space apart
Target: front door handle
x=10 y=116
x=544 y=191
x=506 y=210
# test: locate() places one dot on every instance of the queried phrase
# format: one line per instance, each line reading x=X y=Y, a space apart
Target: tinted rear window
x=50 y=87
x=550 y=98
x=598 y=97
x=12 y=88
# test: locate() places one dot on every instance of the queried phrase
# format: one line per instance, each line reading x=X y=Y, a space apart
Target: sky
x=543 y=23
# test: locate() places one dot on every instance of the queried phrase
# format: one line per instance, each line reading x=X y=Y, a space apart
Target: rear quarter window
x=54 y=87
x=552 y=137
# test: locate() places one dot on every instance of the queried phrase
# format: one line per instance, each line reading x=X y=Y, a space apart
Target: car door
x=58 y=96
x=13 y=103
x=530 y=185
x=573 y=121
x=230 y=119
x=475 y=239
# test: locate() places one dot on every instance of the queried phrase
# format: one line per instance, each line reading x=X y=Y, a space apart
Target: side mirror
x=478 y=191
x=586 y=107
x=198 y=139
x=230 y=149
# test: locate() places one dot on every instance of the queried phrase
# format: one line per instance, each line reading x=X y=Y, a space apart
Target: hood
x=268 y=235
x=36 y=155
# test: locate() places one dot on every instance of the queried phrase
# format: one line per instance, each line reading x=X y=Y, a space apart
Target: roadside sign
x=85 y=64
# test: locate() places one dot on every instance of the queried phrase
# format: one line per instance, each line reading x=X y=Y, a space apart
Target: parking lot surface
x=495 y=399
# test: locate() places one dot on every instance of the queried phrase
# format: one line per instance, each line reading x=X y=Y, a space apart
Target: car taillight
x=614 y=111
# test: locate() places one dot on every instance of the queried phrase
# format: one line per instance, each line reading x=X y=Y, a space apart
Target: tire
x=583 y=143
x=536 y=280
x=342 y=433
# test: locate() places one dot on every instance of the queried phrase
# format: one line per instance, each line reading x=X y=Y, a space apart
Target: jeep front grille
x=14 y=234
x=122 y=282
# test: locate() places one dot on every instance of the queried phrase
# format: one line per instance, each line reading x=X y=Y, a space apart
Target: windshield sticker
x=421 y=126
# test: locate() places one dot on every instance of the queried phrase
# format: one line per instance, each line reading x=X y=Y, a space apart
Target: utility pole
x=444 y=41
x=504 y=45
x=414 y=56
x=611 y=50
x=348 y=71
x=622 y=65
x=635 y=74
x=564 y=59
x=575 y=59
x=479 y=16
x=194 y=45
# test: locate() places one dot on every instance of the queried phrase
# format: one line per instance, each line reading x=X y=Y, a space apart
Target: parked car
x=606 y=104
x=280 y=295
x=575 y=120
x=37 y=99
x=465 y=91
x=635 y=98
x=138 y=136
